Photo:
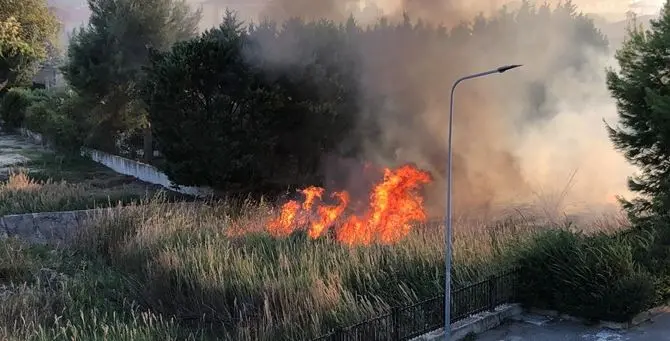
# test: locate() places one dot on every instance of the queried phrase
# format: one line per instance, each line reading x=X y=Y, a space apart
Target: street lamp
x=447 y=284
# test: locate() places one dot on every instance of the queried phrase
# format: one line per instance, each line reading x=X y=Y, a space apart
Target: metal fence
x=405 y=323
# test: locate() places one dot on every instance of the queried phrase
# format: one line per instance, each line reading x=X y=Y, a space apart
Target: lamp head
x=508 y=67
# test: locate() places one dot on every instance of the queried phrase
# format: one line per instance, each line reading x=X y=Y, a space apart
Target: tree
x=251 y=115
x=223 y=109
x=27 y=30
x=106 y=59
x=642 y=91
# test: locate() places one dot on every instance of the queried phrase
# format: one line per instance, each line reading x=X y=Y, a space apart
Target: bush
x=593 y=277
x=651 y=249
x=58 y=117
x=15 y=103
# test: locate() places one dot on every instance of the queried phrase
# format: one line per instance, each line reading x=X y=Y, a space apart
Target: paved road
x=13 y=149
x=542 y=329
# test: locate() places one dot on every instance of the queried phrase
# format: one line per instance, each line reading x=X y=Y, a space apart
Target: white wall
x=121 y=165
x=141 y=171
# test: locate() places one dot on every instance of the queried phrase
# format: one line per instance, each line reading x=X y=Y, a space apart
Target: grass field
x=210 y=272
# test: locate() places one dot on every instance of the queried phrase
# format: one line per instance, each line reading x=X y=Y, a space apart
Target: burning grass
x=154 y=272
x=394 y=204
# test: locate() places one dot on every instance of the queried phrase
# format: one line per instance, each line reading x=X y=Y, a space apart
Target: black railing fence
x=405 y=323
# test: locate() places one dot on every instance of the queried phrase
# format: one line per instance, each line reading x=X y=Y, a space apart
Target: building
x=48 y=77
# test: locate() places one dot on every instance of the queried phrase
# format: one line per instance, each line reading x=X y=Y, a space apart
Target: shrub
x=629 y=296
x=15 y=103
x=59 y=118
x=586 y=276
x=650 y=240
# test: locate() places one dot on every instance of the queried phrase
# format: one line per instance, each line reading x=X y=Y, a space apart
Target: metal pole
x=448 y=218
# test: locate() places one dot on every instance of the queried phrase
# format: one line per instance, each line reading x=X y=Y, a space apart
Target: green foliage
x=61 y=118
x=238 y=117
x=641 y=90
x=221 y=104
x=594 y=277
x=15 y=103
x=651 y=249
x=105 y=58
x=28 y=30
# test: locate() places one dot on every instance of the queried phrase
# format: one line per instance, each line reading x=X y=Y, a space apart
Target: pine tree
x=642 y=91
x=106 y=59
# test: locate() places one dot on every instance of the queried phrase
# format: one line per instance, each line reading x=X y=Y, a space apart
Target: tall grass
x=22 y=194
x=209 y=271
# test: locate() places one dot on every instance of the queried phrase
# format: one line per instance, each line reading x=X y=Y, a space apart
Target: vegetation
x=15 y=103
x=238 y=117
x=28 y=31
x=252 y=118
x=185 y=268
x=59 y=115
x=21 y=194
x=640 y=89
x=559 y=268
x=105 y=61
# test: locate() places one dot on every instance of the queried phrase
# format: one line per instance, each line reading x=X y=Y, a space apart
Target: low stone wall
x=121 y=165
x=142 y=171
x=61 y=227
x=46 y=227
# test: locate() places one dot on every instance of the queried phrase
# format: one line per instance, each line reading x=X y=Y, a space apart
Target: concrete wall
x=121 y=165
x=139 y=170
x=46 y=227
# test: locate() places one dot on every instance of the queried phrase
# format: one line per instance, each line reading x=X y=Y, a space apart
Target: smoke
x=535 y=133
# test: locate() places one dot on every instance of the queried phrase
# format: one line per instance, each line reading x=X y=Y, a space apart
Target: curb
x=475 y=324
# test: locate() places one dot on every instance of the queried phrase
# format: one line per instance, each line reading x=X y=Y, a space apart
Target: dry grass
x=23 y=194
x=214 y=267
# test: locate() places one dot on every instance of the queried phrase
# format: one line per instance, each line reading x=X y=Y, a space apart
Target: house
x=47 y=77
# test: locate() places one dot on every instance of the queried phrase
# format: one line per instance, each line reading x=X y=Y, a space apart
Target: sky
x=77 y=10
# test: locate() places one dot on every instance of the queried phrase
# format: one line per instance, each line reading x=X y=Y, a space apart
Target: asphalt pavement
x=535 y=327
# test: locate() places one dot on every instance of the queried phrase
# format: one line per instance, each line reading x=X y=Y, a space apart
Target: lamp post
x=448 y=251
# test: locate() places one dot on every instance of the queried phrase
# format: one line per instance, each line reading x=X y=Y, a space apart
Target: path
x=539 y=328
x=14 y=150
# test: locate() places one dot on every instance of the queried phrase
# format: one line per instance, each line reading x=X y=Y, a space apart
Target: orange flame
x=394 y=204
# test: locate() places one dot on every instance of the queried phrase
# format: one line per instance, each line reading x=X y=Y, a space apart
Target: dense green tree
x=641 y=88
x=28 y=30
x=211 y=114
x=249 y=115
x=106 y=58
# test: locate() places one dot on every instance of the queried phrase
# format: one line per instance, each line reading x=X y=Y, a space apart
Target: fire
x=394 y=205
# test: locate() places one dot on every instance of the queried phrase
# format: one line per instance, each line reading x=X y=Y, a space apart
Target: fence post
x=492 y=292
x=339 y=334
x=395 y=317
